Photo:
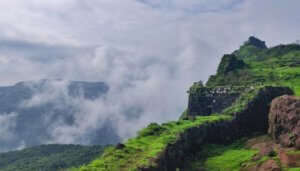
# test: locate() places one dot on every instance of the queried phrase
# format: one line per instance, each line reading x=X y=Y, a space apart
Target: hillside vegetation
x=254 y=73
x=151 y=141
x=279 y=65
x=48 y=157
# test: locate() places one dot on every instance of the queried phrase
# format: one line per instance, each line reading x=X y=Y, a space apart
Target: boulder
x=284 y=121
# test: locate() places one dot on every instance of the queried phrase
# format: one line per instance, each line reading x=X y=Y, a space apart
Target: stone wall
x=205 y=101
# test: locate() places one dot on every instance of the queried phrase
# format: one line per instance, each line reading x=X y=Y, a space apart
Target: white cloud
x=7 y=125
x=194 y=6
x=51 y=91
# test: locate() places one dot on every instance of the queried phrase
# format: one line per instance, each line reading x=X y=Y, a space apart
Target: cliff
x=234 y=103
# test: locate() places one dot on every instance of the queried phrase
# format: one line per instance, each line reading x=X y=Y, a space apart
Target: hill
x=219 y=130
x=48 y=157
x=41 y=107
x=254 y=65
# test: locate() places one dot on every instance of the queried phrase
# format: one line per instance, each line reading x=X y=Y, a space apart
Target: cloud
x=8 y=123
x=149 y=52
x=194 y=6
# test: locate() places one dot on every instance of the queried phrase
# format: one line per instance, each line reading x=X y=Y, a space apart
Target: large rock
x=253 y=41
x=284 y=121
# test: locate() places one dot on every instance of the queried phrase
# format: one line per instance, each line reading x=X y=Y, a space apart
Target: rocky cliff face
x=284 y=121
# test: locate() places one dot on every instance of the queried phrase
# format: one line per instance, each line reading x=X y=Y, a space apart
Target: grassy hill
x=279 y=65
x=48 y=157
x=258 y=73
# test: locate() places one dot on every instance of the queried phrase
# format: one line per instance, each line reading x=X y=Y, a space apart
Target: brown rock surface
x=269 y=165
x=284 y=121
x=289 y=159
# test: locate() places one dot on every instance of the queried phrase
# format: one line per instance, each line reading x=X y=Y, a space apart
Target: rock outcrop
x=253 y=41
x=284 y=121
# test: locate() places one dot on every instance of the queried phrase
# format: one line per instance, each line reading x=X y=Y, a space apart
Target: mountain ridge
x=257 y=73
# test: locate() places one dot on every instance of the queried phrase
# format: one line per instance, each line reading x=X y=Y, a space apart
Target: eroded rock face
x=284 y=121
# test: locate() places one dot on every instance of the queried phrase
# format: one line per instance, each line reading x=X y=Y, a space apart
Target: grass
x=142 y=150
x=294 y=152
x=278 y=66
x=223 y=158
x=230 y=160
x=294 y=169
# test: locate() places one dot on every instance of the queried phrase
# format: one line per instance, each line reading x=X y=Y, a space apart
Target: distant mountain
x=48 y=157
x=32 y=112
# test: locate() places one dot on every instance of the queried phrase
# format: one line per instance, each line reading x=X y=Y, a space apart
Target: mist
x=148 y=53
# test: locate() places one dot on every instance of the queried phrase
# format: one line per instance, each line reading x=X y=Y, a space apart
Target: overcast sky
x=148 y=51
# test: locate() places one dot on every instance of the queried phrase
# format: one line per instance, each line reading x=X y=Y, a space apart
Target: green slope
x=220 y=157
x=48 y=157
x=279 y=65
x=140 y=151
x=253 y=65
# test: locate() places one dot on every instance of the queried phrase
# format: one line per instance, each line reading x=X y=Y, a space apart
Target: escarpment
x=234 y=103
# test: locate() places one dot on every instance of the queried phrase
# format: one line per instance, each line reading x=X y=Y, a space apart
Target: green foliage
x=142 y=150
x=230 y=63
x=221 y=157
x=153 y=129
x=248 y=51
x=232 y=157
x=230 y=160
x=48 y=157
x=293 y=152
x=279 y=65
x=293 y=169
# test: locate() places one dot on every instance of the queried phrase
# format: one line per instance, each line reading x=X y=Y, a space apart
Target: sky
x=149 y=52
